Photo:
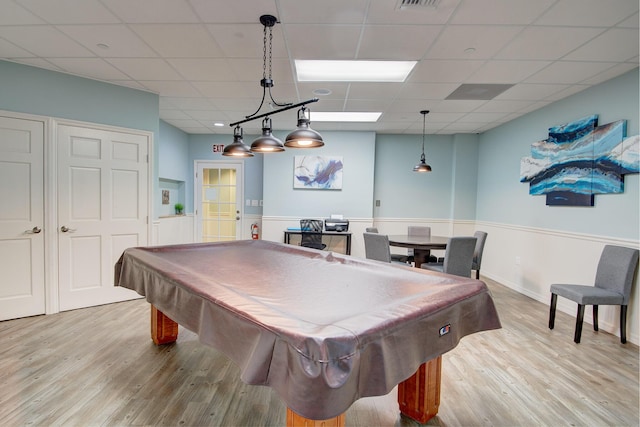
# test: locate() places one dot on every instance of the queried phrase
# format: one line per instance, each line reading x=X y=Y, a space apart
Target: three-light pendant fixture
x=302 y=137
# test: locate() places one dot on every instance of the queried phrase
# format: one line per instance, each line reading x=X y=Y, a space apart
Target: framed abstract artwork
x=317 y=172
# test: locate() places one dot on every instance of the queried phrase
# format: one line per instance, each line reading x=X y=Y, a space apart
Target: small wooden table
x=421 y=245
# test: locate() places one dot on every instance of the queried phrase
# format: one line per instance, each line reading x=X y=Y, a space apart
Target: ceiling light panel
x=320 y=116
x=353 y=71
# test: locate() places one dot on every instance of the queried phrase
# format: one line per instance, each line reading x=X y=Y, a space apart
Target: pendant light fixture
x=304 y=136
x=238 y=148
x=267 y=143
x=423 y=166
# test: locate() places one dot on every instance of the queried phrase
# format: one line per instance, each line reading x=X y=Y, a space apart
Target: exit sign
x=218 y=148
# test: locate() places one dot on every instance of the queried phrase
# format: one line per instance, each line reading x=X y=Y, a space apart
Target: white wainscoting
x=173 y=230
x=529 y=260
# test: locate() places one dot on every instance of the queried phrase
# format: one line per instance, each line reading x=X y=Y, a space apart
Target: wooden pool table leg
x=295 y=420
x=163 y=329
x=419 y=395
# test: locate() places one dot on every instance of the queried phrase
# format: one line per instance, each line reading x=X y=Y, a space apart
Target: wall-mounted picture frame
x=318 y=172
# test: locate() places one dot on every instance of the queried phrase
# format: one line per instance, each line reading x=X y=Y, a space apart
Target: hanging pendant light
x=238 y=148
x=423 y=166
x=267 y=143
x=304 y=136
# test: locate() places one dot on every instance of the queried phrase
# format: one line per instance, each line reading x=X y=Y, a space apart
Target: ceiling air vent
x=407 y=4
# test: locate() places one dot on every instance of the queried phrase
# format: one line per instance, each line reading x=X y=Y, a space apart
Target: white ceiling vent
x=412 y=4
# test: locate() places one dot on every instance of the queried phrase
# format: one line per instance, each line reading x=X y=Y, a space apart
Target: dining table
x=421 y=245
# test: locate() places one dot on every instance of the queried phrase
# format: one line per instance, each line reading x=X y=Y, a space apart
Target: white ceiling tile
x=43 y=41
x=152 y=11
x=546 y=43
x=443 y=71
x=368 y=105
x=186 y=103
x=179 y=40
x=120 y=40
x=145 y=68
x=325 y=11
x=250 y=70
x=14 y=14
x=457 y=106
x=499 y=106
x=572 y=90
x=179 y=123
x=327 y=105
x=130 y=83
x=602 y=13
x=227 y=89
x=385 y=12
x=9 y=50
x=500 y=12
x=71 y=11
x=170 y=88
x=323 y=42
x=426 y=90
x=506 y=71
x=486 y=40
x=359 y=90
x=568 y=72
x=236 y=11
x=203 y=69
x=247 y=40
x=531 y=92
x=406 y=42
x=480 y=117
x=166 y=114
x=89 y=67
x=338 y=89
x=610 y=73
x=615 y=44
x=631 y=22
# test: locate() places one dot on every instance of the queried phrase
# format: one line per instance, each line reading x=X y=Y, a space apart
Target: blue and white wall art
x=581 y=159
x=317 y=172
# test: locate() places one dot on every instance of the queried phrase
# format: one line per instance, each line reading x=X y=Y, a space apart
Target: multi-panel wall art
x=579 y=160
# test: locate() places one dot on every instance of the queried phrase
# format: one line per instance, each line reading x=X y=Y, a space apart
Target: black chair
x=311 y=230
x=614 y=279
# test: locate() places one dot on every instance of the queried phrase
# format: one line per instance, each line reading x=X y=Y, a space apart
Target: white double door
x=98 y=206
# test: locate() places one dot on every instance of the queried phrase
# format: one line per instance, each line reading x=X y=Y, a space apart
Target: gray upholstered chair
x=481 y=237
x=376 y=247
x=614 y=278
x=422 y=231
x=394 y=257
x=458 y=257
x=311 y=231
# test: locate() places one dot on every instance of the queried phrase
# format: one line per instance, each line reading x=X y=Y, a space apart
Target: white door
x=22 y=286
x=103 y=205
x=218 y=201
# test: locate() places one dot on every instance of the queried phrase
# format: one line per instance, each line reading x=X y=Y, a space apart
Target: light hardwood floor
x=98 y=367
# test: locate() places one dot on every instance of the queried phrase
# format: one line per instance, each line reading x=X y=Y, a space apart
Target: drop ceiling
x=204 y=58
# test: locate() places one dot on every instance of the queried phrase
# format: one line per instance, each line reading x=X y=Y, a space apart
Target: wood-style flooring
x=98 y=367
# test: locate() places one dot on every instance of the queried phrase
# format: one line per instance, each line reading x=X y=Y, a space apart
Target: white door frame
x=197 y=237
x=50 y=229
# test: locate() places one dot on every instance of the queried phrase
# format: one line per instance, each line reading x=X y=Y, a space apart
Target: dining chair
x=376 y=247
x=481 y=237
x=421 y=231
x=311 y=231
x=394 y=257
x=612 y=286
x=458 y=257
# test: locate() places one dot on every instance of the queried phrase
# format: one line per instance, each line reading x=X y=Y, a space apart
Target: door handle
x=65 y=229
x=34 y=230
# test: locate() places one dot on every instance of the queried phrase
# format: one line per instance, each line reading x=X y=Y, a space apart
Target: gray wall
x=503 y=198
x=353 y=201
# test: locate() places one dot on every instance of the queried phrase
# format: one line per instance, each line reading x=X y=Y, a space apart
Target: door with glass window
x=218 y=201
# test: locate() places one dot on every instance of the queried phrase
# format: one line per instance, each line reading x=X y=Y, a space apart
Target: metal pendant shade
x=238 y=148
x=267 y=143
x=304 y=136
x=423 y=166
